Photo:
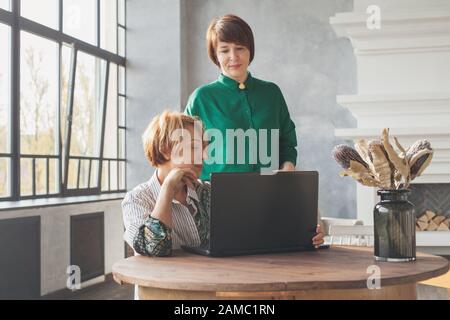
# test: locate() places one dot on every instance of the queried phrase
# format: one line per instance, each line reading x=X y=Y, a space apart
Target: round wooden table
x=335 y=273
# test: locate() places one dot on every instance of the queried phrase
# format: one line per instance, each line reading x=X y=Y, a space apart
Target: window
x=38 y=115
x=108 y=25
x=87 y=119
x=111 y=131
x=5 y=4
x=62 y=98
x=43 y=11
x=5 y=96
x=114 y=156
x=79 y=19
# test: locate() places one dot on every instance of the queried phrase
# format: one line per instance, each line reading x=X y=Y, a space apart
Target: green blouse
x=223 y=105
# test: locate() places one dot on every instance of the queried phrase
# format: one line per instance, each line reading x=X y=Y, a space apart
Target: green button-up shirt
x=221 y=105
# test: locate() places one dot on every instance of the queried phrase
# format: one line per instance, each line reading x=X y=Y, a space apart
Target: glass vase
x=394 y=227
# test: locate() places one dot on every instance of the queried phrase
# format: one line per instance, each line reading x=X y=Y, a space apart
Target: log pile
x=431 y=221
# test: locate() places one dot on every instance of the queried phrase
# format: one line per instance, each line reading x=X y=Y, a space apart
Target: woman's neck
x=161 y=174
x=240 y=79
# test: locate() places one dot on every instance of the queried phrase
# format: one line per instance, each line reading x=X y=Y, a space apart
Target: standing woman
x=237 y=100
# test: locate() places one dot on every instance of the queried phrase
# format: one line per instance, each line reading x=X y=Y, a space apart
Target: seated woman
x=172 y=208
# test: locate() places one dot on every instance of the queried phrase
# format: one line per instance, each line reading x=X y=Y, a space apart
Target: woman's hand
x=287 y=166
x=318 y=238
x=172 y=184
x=179 y=177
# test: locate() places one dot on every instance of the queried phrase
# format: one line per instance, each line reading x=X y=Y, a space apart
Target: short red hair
x=157 y=137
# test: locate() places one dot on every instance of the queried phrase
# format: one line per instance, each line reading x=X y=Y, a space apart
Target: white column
x=366 y=199
x=403 y=80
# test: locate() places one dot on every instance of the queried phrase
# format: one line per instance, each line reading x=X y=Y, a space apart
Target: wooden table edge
x=392 y=280
x=278 y=286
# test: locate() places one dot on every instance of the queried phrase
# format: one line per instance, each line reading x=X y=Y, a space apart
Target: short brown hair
x=229 y=28
x=157 y=137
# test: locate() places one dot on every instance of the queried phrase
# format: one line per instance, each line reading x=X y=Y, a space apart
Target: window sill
x=57 y=201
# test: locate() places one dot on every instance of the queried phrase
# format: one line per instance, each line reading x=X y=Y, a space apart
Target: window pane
x=5 y=4
x=121 y=9
x=45 y=12
x=94 y=174
x=80 y=19
x=84 y=174
x=121 y=40
x=122 y=175
x=4 y=177
x=26 y=177
x=53 y=176
x=87 y=108
x=110 y=146
x=73 y=174
x=41 y=176
x=108 y=25
x=38 y=95
x=121 y=80
x=122 y=121
x=113 y=175
x=121 y=144
x=5 y=93
x=66 y=53
x=105 y=176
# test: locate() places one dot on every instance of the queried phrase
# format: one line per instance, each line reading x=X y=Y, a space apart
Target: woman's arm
x=154 y=237
x=144 y=233
x=163 y=205
x=191 y=108
x=288 y=137
x=201 y=219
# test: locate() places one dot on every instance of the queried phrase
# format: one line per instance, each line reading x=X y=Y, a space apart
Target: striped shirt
x=139 y=203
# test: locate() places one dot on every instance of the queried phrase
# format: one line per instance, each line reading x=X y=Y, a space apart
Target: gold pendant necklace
x=241 y=86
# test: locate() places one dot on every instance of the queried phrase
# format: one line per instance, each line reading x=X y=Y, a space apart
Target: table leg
x=147 y=293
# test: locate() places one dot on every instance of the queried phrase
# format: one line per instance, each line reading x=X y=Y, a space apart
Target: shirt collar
x=156 y=188
x=233 y=84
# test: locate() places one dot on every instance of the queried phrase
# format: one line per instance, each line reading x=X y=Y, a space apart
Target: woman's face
x=233 y=59
x=191 y=151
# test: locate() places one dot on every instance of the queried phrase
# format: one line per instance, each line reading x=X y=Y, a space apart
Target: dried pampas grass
x=378 y=164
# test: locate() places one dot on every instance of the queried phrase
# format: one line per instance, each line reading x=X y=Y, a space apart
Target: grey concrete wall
x=295 y=48
x=153 y=73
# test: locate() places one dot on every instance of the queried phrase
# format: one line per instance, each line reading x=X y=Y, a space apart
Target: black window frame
x=17 y=23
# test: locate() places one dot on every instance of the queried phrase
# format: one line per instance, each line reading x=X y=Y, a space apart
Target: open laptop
x=253 y=213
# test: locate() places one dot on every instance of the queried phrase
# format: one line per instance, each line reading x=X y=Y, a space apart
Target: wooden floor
x=108 y=290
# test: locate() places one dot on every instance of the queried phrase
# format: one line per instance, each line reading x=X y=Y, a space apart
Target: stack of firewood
x=431 y=221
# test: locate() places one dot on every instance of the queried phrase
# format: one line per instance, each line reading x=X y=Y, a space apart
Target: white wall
x=55 y=238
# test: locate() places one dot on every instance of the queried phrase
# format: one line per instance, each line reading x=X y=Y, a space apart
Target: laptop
x=254 y=214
